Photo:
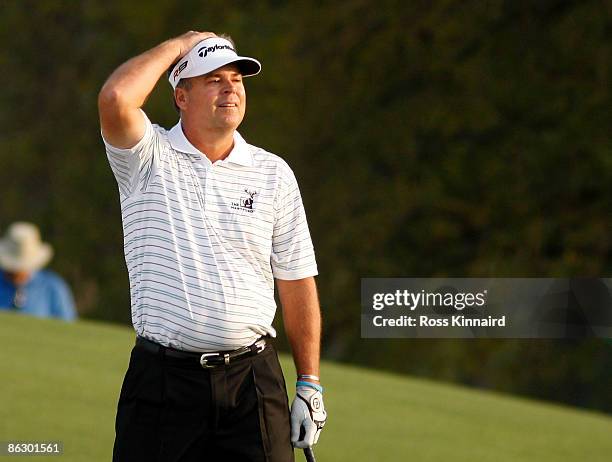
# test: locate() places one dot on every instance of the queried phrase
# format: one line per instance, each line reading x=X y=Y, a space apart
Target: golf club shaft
x=309 y=454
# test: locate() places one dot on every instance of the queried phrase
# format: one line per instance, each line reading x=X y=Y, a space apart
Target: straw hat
x=21 y=249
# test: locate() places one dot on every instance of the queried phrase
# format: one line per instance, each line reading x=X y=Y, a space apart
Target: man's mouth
x=228 y=105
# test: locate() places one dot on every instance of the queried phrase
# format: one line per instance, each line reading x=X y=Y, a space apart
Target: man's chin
x=230 y=123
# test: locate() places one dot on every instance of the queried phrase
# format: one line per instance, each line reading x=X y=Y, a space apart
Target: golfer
x=209 y=223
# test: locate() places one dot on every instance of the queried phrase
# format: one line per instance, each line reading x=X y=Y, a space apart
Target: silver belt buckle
x=204 y=360
x=260 y=345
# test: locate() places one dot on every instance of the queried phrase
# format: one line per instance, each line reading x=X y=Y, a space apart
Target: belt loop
x=161 y=353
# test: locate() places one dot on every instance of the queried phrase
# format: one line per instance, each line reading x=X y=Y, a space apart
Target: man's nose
x=230 y=87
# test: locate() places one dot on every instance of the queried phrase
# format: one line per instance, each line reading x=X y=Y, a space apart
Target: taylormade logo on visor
x=203 y=51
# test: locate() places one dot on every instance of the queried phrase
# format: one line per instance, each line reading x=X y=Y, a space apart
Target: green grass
x=61 y=382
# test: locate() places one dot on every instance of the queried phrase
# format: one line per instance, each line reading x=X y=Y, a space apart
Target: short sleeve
x=293 y=254
x=62 y=301
x=133 y=167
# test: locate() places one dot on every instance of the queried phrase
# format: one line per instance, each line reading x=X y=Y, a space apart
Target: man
x=209 y=222
x=24 y=286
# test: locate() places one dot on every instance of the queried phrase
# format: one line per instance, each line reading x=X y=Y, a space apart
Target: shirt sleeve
x=133 y=167
x=293 y=255
x=63 y=302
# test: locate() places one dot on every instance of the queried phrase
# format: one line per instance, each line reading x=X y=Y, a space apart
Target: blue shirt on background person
x=24 y=286
x=45 y=295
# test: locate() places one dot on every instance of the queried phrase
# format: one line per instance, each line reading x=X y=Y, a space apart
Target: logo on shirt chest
x=246 y=202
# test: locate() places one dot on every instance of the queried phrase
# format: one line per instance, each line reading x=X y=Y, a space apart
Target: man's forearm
x=128 y=87
x=133 y=81
x=302 y=320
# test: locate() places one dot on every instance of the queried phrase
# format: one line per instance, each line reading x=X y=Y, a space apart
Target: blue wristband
x=317 y=387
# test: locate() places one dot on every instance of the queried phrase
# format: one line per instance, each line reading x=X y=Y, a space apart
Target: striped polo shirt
x=204 y=241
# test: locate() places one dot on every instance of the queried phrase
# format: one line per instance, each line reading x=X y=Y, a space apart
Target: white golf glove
x=307 y=417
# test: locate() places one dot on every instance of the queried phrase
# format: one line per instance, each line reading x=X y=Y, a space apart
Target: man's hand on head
x=190 y=39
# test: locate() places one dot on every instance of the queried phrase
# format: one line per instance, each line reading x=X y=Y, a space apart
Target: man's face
x=17 y=277
x=216 y=100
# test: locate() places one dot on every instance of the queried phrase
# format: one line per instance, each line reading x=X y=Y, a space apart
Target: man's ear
x=180 y=97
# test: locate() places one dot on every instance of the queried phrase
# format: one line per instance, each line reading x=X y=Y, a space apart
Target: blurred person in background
x=25 y=286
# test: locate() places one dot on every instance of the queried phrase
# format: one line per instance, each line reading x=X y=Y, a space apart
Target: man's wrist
x=314 y=386
x=309 y=378
x=175 y=48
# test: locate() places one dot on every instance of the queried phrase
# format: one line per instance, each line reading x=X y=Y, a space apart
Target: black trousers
x=172 y=410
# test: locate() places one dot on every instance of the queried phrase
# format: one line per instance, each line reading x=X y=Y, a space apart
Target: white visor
x=208 y=55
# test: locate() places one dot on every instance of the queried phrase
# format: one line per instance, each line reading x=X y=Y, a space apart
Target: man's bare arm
x=302 y=320
x=128 y=87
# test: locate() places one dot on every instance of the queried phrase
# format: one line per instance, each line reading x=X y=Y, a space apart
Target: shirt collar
x=240 y=153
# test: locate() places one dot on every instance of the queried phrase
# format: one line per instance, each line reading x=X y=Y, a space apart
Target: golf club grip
x=309 y=455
